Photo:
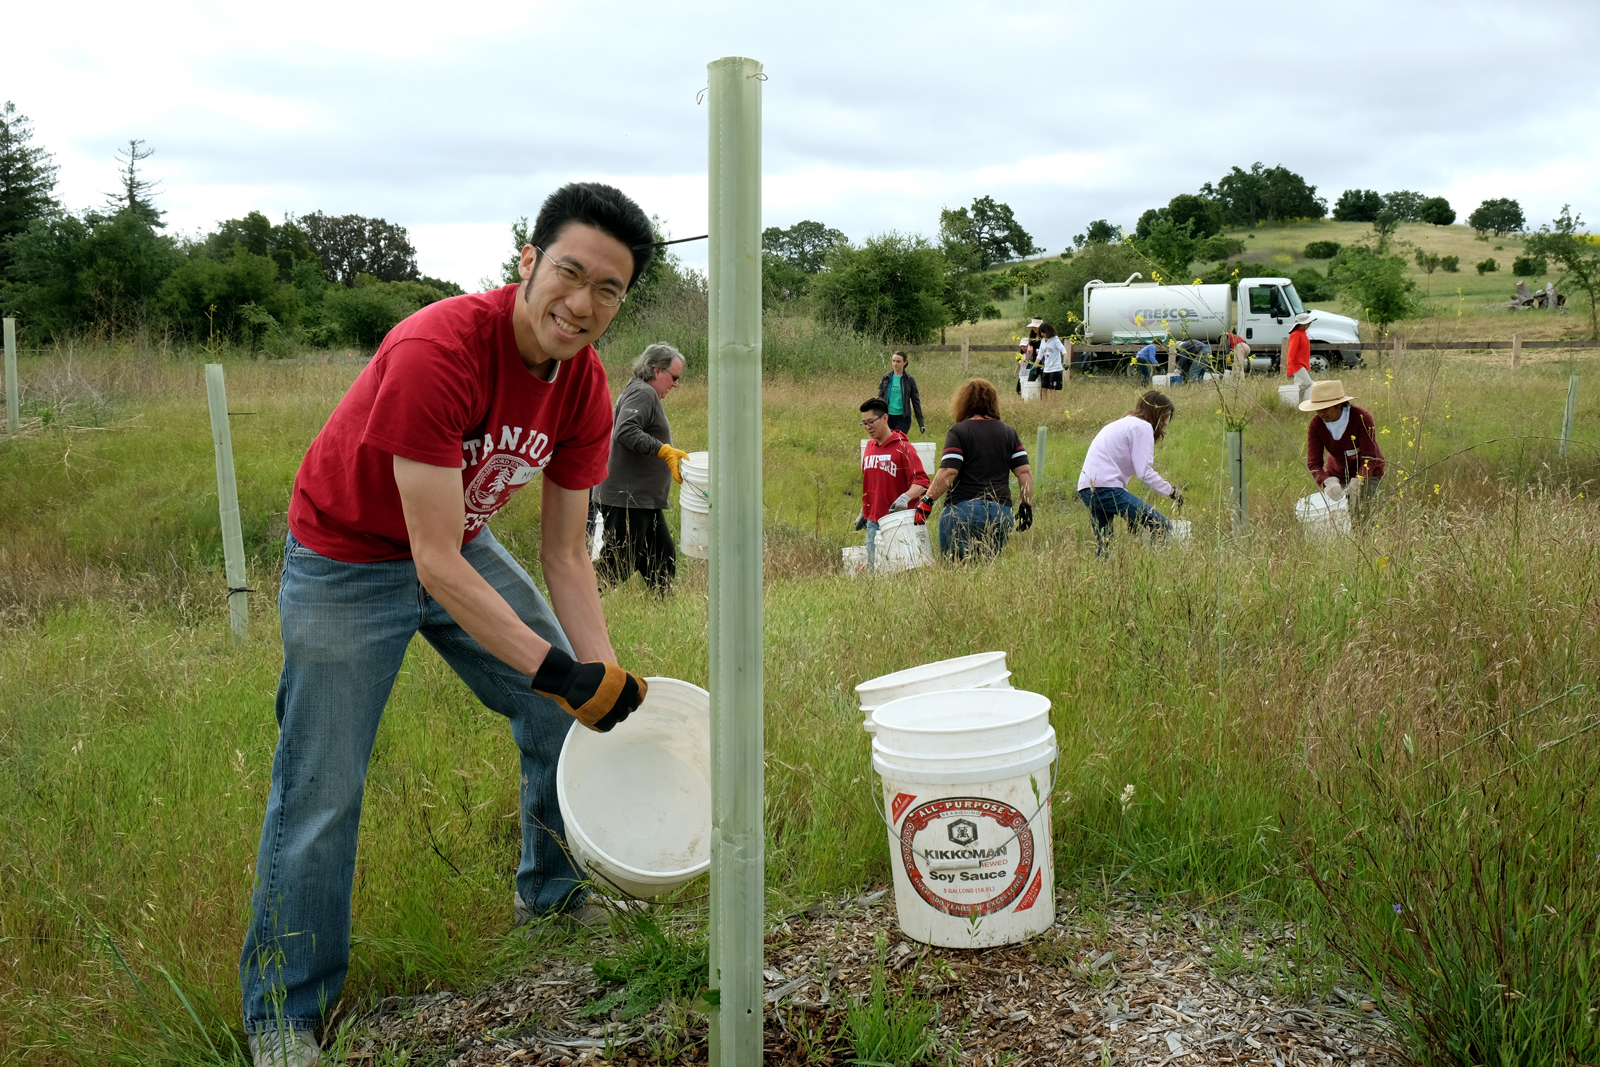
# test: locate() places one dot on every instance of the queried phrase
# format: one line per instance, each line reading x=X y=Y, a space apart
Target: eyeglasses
x=869 y=423
x=604 y=292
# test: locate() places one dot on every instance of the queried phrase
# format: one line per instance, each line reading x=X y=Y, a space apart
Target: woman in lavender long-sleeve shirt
x=1122 y=450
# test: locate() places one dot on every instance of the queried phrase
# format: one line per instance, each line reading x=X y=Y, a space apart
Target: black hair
x=606 y=208
x=1047 y=329
x=875 y=404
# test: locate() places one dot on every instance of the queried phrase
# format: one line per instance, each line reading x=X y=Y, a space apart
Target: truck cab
x=1266 y=311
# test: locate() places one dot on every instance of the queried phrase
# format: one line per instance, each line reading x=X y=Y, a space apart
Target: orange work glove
x=673 y=456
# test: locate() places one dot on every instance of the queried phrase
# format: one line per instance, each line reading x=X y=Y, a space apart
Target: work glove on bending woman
x=674 y=457
x=1333 y=489
x=599 y=695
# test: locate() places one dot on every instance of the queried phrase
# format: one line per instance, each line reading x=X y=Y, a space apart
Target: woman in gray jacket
x=634 y=497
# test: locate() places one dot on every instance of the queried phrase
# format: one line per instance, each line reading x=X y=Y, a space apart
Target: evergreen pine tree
x=27 y=179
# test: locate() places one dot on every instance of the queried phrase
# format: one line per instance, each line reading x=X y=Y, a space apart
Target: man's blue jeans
x=974 y=526
x=1106 y=504
x=345 y=631
x=872 y=547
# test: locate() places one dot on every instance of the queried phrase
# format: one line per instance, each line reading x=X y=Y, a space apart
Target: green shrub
x=1437 y=211
x=1312 y=285
x=892 y=288
x=1322 y=249
x=364 y=314
x=1213 y=248
x=1487 y=266
x=1450 y=264
x=1529 y=266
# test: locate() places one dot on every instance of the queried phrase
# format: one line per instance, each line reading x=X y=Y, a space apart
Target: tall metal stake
x=228 y=503
x=13 y=414
x=1038 y=460
x=1236 y=497
x=1572 y=409
x=738 y=869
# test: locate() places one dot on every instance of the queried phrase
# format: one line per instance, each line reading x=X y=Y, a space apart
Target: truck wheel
x=1319 y=363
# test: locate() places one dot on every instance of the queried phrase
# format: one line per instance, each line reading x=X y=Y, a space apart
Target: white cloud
x=455 y=120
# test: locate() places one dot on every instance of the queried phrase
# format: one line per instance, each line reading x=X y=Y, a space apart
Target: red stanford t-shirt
x=448 y=388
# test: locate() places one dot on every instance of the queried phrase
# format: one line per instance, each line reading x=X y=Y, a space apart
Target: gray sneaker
x=284 y=1048
x=594 y=910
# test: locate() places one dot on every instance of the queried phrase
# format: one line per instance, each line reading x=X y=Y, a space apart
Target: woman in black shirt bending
x=980 y=455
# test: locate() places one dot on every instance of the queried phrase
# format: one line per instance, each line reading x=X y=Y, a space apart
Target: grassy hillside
x=1455 y=305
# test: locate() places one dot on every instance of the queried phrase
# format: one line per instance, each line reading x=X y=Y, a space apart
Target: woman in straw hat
x=1341 y=444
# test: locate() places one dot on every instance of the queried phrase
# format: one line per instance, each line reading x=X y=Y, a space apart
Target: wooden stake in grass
x=1516 y=351
x=738 y=863
x=964 y=363
x=228 y=503
x=1572 y=408
x=13 y=415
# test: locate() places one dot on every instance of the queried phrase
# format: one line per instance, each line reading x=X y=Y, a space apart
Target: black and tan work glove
x=599 y=695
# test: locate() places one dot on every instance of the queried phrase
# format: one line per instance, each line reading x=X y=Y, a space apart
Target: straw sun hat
x=1325 y=395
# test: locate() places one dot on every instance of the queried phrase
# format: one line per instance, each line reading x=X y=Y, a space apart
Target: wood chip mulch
x=1122 y=986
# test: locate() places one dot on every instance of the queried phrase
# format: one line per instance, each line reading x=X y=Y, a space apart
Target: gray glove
x=901 y=502
x=1333 y=490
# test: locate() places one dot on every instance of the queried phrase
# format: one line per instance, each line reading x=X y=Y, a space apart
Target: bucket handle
x=1055 y=768
x=698 y=491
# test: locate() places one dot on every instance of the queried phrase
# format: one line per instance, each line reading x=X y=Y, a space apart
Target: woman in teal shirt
x=899 y=390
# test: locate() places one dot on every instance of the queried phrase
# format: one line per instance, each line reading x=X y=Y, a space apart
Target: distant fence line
x=1316 y=346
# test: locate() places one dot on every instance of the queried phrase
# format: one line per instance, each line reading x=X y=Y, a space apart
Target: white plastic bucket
x=1290 y=395
x=1323 y=519
x=636 y=800
x=694 y=499
x=1030 y=390
x=855 y=560
x=927 y=451
x=966 y=791
x=1181 y=529
x=1160 y=381
x=982 y=670
x=902 y=545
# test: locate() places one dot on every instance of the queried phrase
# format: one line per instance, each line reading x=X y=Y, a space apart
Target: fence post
x=13 y=412
x=1038 y=458
x=738 y=863
x=964 y=355
x=1516 y=351
x=1399 y=351
x=228 y=503
x=1236 y=494
x=1068 y=367
x=1024 y=299
x=1572 y=408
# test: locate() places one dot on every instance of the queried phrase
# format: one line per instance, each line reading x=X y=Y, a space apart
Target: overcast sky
x=454 y=118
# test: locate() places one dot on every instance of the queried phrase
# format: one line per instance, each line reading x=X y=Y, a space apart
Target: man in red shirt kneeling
x=464 y=403
x=892 y=477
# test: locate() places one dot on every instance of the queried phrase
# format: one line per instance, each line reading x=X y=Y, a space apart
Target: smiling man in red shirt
x=465 y=402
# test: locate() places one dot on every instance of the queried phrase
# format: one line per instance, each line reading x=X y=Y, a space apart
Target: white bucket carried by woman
x=902 y=545
x=1323 y=519
x=966 y=793
x=854 y=558
x=1289 y=395
x=1030 y=390
x=636 y=800
x=694 y=500
x=982 y=670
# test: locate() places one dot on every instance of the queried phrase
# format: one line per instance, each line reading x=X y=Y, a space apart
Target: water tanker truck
x=1137 y=313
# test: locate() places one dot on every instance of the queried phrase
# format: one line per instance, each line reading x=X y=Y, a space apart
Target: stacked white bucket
x=1030 y=390
x=965 y=765
x=694 y=500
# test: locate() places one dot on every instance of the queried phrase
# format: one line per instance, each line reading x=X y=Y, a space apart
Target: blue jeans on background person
x=1106 y=504
x=974 y=526
x=872 y=547
x=345 y=629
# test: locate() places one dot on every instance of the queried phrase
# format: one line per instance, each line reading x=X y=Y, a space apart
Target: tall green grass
x=1238 y=685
